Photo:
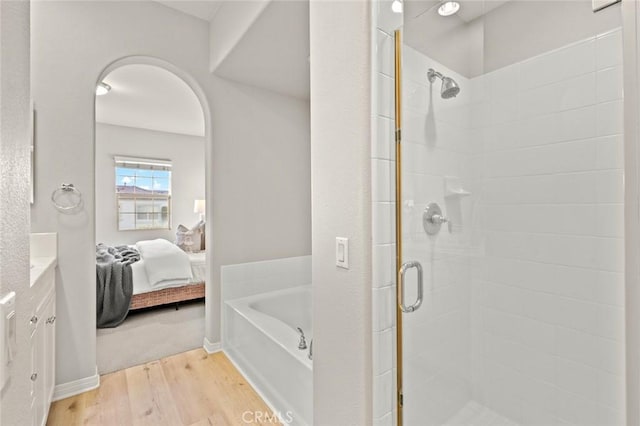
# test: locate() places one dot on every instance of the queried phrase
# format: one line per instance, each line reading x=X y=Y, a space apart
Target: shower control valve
x=432 y=219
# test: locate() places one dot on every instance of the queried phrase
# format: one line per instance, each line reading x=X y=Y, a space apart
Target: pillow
x=191 y=240
x=183 y=236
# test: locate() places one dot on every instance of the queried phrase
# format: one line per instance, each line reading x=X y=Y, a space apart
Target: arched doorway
x=152 y=133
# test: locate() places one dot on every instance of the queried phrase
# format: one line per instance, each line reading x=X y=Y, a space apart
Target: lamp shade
x=199 y=206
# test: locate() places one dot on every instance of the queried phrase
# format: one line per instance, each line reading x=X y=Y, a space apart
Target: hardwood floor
x=188 y=389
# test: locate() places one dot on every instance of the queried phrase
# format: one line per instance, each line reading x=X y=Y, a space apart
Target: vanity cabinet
x=43 y=334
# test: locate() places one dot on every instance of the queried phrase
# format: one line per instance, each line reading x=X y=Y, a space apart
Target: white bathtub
x=260 y=337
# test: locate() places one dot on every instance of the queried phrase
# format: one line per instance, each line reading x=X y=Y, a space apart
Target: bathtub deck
x=189 y=389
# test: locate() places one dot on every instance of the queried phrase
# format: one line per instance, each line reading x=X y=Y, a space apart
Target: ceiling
x=469 y=9
x=455 y=41
x=200 y=9
x=273 y=53
x=149 y=97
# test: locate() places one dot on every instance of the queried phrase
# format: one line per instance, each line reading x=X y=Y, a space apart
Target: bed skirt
x=166 y=296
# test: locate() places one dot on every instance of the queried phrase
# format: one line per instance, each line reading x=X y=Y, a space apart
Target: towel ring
x=66 y=188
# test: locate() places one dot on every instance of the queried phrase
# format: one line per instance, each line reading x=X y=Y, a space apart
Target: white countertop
x=41 y=265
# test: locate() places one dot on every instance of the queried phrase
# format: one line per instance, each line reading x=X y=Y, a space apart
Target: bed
x=145 y=295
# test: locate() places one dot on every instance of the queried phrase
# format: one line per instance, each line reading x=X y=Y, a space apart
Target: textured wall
x=15 y=116
x=341 y=199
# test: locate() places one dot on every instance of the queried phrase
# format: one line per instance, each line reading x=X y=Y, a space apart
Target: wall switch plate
x=342 y=252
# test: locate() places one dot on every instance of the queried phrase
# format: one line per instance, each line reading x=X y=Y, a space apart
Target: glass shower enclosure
x=508 y=176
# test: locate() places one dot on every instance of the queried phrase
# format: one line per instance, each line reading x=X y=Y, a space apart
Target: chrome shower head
x=450 y=88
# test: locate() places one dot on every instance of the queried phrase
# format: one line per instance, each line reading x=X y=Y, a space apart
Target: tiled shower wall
x=383 y=162
x=548 y=318
x=524 y=294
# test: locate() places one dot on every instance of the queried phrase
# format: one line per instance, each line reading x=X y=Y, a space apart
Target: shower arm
x=433 y=74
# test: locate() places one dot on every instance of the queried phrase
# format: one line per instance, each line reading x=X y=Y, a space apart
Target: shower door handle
x=403 y=271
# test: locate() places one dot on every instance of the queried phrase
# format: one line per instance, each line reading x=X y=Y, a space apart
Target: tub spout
x=311 y=349
x=303 y=342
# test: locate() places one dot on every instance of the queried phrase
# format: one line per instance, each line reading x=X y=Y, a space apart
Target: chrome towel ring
x=66 y=188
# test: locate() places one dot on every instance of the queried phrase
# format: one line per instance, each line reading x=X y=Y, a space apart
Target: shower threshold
x=476 y=414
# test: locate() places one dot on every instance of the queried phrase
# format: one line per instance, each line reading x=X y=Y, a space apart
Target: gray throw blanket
x=114 y=283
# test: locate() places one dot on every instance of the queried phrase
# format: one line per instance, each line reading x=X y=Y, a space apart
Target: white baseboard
x=211 y=347
x=65 y=390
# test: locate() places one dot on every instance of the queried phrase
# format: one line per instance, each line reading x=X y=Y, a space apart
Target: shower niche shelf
x=453 y=188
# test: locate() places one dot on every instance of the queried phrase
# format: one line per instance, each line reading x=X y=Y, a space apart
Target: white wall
x=508 y=29
x=229 y=24
x=261 y=179
x=15 y=116
x=252 y=144
x=187 y=178
x=341 y=55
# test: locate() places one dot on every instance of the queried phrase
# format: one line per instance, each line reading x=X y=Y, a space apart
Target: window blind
x=143 y=163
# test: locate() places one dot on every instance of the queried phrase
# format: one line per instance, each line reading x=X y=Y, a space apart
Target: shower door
x=509 y=215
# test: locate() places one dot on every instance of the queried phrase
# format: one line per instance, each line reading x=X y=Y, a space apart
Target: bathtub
x=260 y=338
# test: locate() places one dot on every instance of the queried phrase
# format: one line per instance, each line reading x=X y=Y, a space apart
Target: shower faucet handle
x=438 y=219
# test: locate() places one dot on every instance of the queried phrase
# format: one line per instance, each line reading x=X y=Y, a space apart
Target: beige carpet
x=150 y=335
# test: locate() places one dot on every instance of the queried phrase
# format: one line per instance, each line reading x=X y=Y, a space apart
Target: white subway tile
x=609 y=84
x=384 y=265
x=611 y=391
x=382 y=176
x=609 y=49
x=610 y=118
x=385 y=53
x=558 y=65
x=610 y=152
x=383 y=219
x=385 y=95
x=383 y=351
x=383 y=388
x=384 y=142
x=577 y=378
x=384 y=303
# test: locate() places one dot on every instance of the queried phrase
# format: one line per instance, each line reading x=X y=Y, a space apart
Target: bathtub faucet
x=303 y=342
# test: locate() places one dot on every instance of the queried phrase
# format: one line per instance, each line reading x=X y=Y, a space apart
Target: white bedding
x=165 y=263
x=141 y=282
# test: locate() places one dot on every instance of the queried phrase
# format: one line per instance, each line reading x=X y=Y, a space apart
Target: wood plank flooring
x=188 y=389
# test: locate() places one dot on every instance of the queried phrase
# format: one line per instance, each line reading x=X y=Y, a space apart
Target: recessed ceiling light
x=102 y=88
x=396 y=6
x=448 y=8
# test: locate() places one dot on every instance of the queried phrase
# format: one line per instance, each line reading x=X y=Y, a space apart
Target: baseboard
x=257 y=389
x=65 y=390
x=211 y=347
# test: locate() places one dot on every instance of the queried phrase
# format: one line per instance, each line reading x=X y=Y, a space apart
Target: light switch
x=342 y=252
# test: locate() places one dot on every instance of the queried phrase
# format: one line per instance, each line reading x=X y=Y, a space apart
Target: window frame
x=165 y=197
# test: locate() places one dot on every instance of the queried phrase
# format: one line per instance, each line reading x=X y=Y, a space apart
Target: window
x=143 y=193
